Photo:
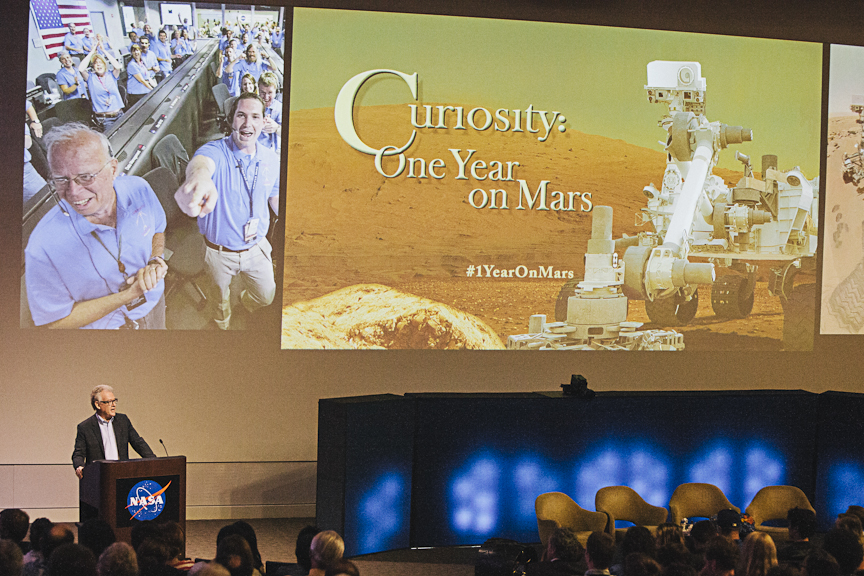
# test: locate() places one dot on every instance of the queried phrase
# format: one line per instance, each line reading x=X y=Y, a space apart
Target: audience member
x=721 y=557
x=564 y=556
x=172 y=534
x=820 y=563
x=234 y=553
x=599 y=552
x=700 y=535
x=668 y=533
x=758 y=555
x=637 y=564
x=326 y=549
x=11 y=559
x=153 y=558
x=783 y=570
x=38 y=529
x=245 y=530
x=304 y=542
x=851 y=523
x=96 y=534
x=636 y=539
x=14 y=524
x=857 y=511
x=846 y=549
x=72 y=560
x=118 y=559
x=729 y=524
x=343 y=568
x=802 y=526
x=59 y=535
x=143 y=531
x=673 y=553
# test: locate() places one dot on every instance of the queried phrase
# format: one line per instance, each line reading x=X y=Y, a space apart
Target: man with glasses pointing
x=106 y=435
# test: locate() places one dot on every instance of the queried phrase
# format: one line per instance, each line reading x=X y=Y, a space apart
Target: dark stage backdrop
x=480 y=461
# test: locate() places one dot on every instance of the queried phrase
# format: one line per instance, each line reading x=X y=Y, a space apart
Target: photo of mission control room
x=152 y=146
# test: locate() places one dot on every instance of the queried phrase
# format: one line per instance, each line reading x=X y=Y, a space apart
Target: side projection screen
x=465 y=183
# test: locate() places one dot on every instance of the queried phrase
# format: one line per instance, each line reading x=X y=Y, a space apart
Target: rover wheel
x=567 y=290
x=673 y=311
x=799 y=318
x=730 y=297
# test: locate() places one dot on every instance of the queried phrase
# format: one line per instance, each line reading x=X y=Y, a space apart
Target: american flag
x=52 y=18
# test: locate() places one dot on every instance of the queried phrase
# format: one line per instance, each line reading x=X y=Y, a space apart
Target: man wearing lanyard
x=163 y=53
x=95 y=259
x=229 y=185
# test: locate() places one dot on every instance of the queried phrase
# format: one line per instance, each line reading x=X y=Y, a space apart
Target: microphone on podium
x=163 y=447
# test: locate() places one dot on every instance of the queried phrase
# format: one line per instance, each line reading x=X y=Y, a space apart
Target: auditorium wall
x=244 y=412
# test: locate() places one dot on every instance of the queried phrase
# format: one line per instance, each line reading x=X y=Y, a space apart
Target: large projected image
x=152 y=165
x=444 y=181
x=843 y=256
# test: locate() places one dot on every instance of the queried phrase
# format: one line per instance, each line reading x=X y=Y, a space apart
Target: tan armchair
x=697 y=499
x=774 y=503
x=624 y=503
x=556 y=510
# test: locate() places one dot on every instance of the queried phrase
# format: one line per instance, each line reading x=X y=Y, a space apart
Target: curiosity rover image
x=670 y=205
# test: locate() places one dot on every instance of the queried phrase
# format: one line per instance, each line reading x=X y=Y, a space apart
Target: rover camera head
x=679 y=84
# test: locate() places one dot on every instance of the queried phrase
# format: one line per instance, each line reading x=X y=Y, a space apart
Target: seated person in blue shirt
x=149 y=58
x=133 y=39
x=95 y=259
x=72 y=43
x=138 y=82
x=227 y=36
x=33 y=181
x=253 y=64
x=190 y=45
x=88 y=40
x=230 y=79
x=244 y=42
x=104 y=94
x=271 y=133
x=104 y=46
x=276 y=39
x=248 y=84
x=163 y=53
x=231 y=184
x=69 y=79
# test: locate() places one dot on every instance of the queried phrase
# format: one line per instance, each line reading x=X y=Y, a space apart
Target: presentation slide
x=843 y=256
x=461 y=183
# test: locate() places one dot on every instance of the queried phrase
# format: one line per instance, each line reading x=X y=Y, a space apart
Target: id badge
x=250 y=230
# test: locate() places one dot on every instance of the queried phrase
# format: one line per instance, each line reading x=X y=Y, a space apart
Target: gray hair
x=73 y=133
x=118 y=559
x=98 y=390
x=62 y=53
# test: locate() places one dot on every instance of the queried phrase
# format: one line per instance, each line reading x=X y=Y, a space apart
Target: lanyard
x=120 y=265
x=246 y=183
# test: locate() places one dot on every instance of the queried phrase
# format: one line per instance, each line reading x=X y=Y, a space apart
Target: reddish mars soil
x=349 y=225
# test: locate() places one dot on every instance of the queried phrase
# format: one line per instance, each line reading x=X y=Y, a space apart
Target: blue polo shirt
x=65 y=264
x=162 y=51
x=133 y=86
x=104 y=94
x=275 y=112
x=255 y=68
x=232 y=80
x=225 y=224
x=66 y=78
x=73 y=43
x=149 y=58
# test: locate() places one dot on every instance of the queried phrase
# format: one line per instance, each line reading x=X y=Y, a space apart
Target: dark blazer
x=88 y=442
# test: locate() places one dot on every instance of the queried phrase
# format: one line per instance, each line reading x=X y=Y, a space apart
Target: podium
x=127 y=492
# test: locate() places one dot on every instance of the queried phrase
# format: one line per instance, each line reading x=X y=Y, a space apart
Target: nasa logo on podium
x=146 y=500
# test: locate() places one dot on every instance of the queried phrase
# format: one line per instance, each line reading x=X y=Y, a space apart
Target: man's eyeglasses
x=62 y=183
x=111 y=402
